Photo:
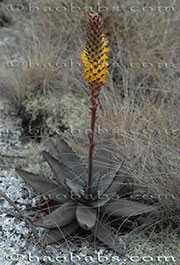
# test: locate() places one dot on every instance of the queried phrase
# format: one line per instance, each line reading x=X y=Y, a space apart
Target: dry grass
x=151 y=132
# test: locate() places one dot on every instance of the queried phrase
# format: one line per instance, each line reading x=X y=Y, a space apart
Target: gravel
x=10 y=132
x=9 y=135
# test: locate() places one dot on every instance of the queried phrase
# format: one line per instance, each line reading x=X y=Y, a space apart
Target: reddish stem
x=93 y=109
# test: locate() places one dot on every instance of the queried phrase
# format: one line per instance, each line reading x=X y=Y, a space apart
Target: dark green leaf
x=64 y=153
x=60 y=217
x=106 y=180
x=95 y=181
x=48 y=206
x=104 y=157
x=86 y=217
x=43 y=185
x=107 y=187
x=102 y=230
x=60 y=170
x=56 y=235
x=123 y=173
x=75 y=189
x=119 y=179
x=126 y=208
x=103 y=160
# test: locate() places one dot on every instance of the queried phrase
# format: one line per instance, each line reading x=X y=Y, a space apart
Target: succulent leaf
x=60 y=217
x=126 y=208
x=60 y=171
x=64 y=153
x=100 y=202
x=103 y=231
x=103 y=160
x=75 y=189
x=104 y=187
x=107 y=196
x=120 y=178
x=95 y=182
x=118 y=185
x=106 y=180
x=56 y=235
x=86 y=216
x=48 y=206
x=43 y=185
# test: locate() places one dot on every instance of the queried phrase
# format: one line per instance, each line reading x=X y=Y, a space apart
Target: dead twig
x=27 y=220
x=13 y=156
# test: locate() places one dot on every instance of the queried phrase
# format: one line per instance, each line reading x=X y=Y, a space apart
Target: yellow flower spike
x=104 y=57
x=105 y=50
x=94 y=56
x=94 y=61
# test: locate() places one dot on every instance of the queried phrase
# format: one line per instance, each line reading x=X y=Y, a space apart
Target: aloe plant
x=81 y=196
x=69 y=205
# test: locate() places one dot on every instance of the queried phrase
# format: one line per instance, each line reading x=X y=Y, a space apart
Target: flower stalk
x=94 y=58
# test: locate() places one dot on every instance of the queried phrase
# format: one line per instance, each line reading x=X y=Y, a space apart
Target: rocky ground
x=10 y=131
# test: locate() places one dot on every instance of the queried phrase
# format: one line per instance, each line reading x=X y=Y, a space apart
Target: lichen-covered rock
x=56 y=112
x=75 y=111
